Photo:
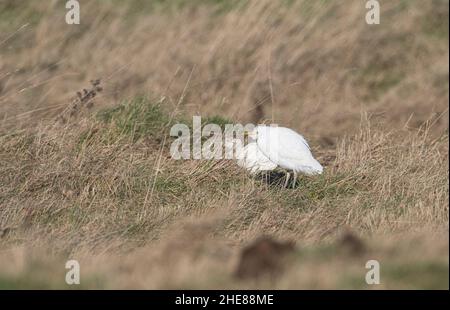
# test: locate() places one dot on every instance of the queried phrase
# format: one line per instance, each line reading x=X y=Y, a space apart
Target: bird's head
x=250 y=135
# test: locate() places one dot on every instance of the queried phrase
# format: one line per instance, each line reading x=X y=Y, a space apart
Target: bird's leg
x=287 y=179
x=295 y=179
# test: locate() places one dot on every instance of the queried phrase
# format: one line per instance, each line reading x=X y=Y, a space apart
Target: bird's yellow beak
x=249 y=136
x=246 y=137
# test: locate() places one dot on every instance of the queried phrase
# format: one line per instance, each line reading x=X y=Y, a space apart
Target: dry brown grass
x=318 y=61
x=103 y=189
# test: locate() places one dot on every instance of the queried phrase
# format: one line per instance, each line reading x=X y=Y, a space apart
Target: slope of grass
x=122 y=193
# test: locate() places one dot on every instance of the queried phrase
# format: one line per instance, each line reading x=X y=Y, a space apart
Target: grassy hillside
x=92 y=178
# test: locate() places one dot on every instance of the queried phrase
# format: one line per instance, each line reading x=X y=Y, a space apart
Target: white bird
x=280 y=146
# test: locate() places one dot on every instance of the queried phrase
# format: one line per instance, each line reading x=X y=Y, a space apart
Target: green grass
x=14 y=14
x=218 y=120
x=309 y=191
x=437 y=26
x=36 y=277
x=420 y=275
x=379 y=77
x=137 y=118
x=171 y=185
x=139 y=7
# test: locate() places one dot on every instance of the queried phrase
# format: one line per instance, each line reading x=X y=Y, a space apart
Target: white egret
x=283 y=147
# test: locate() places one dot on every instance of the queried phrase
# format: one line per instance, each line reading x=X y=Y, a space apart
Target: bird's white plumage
x=254 y=160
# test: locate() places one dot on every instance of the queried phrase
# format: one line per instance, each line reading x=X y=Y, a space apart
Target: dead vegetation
x=103 y=189
x=84 y=99
x=263 y=256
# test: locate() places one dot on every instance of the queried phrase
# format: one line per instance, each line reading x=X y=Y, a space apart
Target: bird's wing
x=293 y=145
x=287 y=149
x=295 y=151
x=304 y=141
x=283 y=144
